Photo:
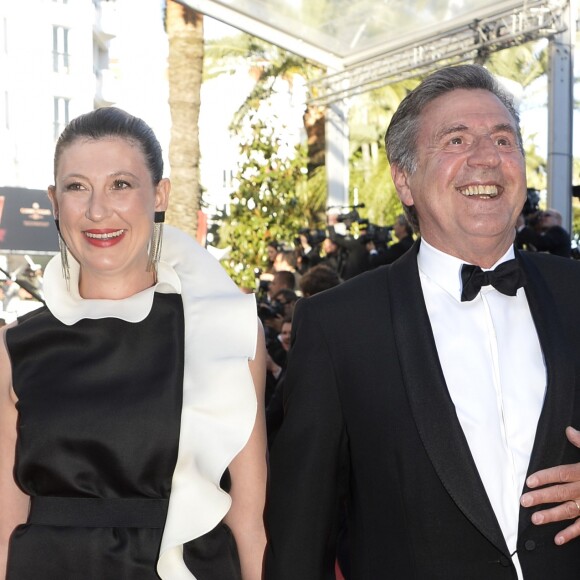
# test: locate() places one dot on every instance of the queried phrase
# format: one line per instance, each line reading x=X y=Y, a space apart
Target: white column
x=337 y=153
x=560 y=117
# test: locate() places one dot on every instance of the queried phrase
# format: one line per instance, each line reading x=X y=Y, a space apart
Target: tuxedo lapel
x=550 y=441
x=431 y=404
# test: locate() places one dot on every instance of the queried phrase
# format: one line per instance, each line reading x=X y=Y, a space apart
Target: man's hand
x=563 y=483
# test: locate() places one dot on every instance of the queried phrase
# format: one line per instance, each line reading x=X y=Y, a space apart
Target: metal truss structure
x=472 y=42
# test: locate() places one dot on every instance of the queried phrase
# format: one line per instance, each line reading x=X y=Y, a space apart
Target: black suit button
x=505 y=562
x=530 y=545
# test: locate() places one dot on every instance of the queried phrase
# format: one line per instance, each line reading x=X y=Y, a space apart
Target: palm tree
x=184 y=28
x=268 y=64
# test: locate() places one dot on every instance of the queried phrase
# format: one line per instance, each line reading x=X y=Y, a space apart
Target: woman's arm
x=249 y=474
x=13 y=503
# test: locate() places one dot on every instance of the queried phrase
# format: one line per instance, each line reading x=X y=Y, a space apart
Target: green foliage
x=284 y=67
x=575 y=217
x=535 y=167
x=370 y=175
x=523 y=63
x=275 y=197
x=271 y=202
x=372 y=185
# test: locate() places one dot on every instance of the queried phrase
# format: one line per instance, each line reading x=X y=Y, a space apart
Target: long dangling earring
x=156 y=242
x=63 y=256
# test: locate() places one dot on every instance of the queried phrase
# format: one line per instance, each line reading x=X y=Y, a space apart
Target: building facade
x=54 y=65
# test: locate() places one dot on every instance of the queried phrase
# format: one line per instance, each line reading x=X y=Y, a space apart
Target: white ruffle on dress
x=219 y=399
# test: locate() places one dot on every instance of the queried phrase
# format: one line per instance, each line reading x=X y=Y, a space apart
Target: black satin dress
x=99 y=407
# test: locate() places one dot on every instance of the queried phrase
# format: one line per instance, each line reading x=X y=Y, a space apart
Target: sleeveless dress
x=100 y=406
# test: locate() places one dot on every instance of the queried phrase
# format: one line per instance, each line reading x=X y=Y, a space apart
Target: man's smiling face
x=470 y=182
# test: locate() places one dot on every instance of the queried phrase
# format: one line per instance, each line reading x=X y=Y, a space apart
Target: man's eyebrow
x=505 y=127
x=448 y=130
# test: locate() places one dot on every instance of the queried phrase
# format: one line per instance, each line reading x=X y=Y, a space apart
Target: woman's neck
x=114 y=287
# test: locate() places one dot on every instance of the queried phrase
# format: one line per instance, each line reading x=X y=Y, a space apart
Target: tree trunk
x=184 y=29
x=314 y=124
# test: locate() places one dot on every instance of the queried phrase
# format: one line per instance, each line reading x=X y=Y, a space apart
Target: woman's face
x=105 y=199
x=271 y=253
x=285 y=334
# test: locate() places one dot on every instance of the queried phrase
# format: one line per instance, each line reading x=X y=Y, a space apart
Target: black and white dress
x=126 y=425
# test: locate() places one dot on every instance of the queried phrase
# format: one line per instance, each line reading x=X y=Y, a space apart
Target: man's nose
x=484 y=152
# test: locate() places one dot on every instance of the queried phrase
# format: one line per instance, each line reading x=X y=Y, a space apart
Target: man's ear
x=401 y=180
x=162 y=194
x=52 y=196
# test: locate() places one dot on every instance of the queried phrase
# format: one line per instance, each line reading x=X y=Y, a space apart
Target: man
x=552 y=237
x=440 y=422
x=333 y=255
x=351 y=252
x=404 y=233
x=282 y=279
x=317 y=279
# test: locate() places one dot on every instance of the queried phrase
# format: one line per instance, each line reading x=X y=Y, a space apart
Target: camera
x=532 y=203
x=313 y=237
x=531 y=209
x=269 y=311
x=348 y=213
x=380 y=235
x=348 y=218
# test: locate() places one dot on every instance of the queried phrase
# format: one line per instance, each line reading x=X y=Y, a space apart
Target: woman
x=124 y=400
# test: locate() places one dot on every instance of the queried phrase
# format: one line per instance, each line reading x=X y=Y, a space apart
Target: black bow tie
x=506 y=278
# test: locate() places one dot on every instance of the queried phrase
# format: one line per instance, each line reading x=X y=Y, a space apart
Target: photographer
x=272 y=316
x=352 y=253
x=272 y=250
x=307 y=246
x=380 y=254
x=542 y=231
x=271 y=311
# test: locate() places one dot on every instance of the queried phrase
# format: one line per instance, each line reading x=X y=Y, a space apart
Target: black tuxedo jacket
x=369 y=423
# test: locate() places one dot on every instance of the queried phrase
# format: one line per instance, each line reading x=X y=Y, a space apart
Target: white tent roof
x=366 y=43
x=341 y=33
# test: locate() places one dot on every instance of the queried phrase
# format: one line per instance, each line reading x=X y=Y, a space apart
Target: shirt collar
x=69 y=307
x=445 y=270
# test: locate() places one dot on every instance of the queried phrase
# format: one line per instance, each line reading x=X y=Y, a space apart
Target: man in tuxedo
x=435 y=397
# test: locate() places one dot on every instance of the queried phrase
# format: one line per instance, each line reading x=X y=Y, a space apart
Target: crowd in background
x=321 y=259
x=317 y=261
x=20 y=292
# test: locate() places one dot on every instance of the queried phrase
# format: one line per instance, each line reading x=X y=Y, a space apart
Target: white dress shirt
x=495 y=372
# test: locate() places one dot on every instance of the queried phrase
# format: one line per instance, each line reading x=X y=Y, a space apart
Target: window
x=60 y=53
x=227 y=178
x=61 y=115
x=6 y=111
x=4 y=32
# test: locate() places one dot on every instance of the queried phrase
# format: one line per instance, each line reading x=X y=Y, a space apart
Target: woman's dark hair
x=113 y=122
